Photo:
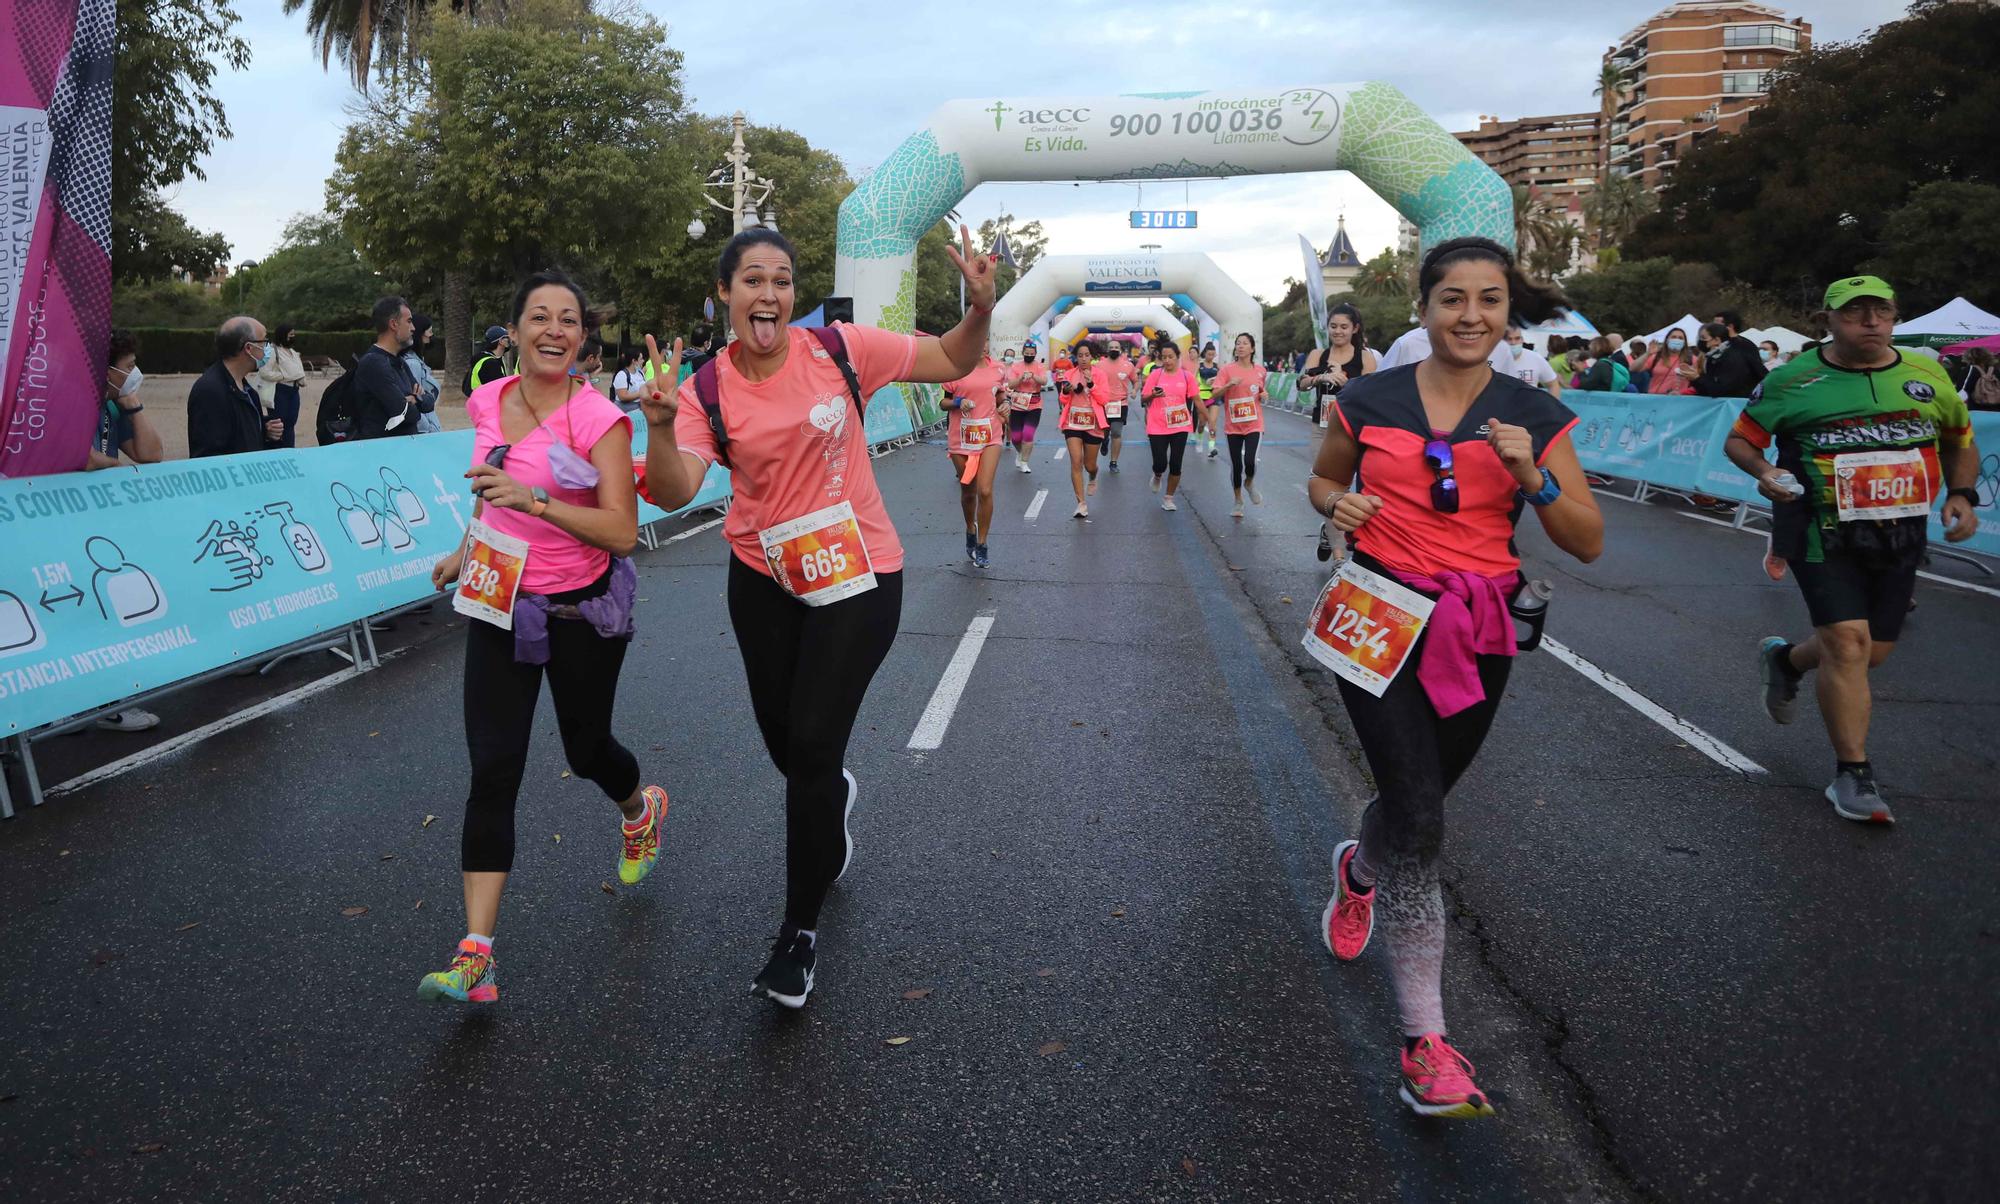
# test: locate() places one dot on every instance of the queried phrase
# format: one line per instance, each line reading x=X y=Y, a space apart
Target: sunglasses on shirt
x=1444 y=485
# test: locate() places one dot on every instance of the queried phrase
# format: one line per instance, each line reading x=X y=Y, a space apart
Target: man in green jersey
x=1867 y=440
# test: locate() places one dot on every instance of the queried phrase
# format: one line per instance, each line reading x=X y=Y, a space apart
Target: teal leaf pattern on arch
x=1415 y=164
x=901 y=199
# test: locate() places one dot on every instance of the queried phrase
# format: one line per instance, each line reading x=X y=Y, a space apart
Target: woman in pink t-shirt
x=551 y=467
x=978 y=404
x=1239 y=403
x=1170 y=394
x=1027 y=382
x=815 y=575
x=1083 y=390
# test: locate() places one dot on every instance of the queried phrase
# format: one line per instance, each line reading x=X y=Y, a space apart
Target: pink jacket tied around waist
x=1471 y=619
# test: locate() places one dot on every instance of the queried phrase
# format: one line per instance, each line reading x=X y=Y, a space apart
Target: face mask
x=265 y=358
x=570 y=470
x=132 y=381
x=1765 y=352
x=1676 y=344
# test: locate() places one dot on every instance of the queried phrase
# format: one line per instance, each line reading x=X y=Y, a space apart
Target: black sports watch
x=1970 y=495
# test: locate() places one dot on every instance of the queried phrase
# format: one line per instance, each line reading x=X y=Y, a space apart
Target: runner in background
x=1239 y=393
x=1527 y=365
x=1025 y=414
x=816 y=576
x=1124 y=382
x=1082 y=391
x=1449 y=453
x=1868 y=441
x=978 y=407
x=551 y=466
x=1210 y=419
x=1170 y=395
x=1345 y=357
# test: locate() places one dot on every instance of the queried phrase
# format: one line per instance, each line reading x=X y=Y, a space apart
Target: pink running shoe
x=1349 y=918
x=1437 y=1081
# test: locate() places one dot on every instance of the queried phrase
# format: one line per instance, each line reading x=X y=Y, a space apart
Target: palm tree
x=1612 y=80
x=1615 y=207
x=1537 y=220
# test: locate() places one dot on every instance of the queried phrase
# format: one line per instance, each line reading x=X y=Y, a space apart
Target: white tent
x=1688 y=325
x=1788 y=341
x=1953 y=322
x=1567 y=323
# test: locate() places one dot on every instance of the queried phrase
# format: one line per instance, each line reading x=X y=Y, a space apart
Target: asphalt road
x=1091 y=910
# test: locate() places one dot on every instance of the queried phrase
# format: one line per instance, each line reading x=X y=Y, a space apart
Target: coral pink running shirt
x=1075 y=404
x=976 y=387
x=1236 y=382
x=1181 y=392
x=795 y=441
x=1028 y=380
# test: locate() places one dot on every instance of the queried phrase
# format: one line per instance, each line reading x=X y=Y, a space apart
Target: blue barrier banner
x=714 y=489
x=888 y=415
x=1676 y=443
x=128 y=579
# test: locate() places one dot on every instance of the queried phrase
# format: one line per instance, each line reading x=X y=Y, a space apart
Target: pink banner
x=55 y=229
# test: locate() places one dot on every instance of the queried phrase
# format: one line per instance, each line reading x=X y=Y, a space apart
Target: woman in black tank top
x=1346 y=356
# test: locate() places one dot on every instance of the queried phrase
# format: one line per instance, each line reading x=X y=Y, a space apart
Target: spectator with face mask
x=280 y=381
x=1731 y=366
x=1663 y=367
x=122 y=426
x=428 y=388
x=1771 y=355
x=224 y=415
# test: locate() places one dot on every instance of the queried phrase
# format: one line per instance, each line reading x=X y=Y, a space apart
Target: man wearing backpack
x=490 y=364
x=1982 y=383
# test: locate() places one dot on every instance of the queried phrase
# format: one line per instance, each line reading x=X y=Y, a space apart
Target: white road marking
x=944 y=700
x=1035 y=507
x=1060 y=453
x=172 y=745
x=1925 y=574
x=1714 y=749
x=691 y=532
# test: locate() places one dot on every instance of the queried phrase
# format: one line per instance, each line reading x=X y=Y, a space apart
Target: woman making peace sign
x=816 y=582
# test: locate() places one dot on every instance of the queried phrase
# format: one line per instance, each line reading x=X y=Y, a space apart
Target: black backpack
x=710 y=393
x=336 y=410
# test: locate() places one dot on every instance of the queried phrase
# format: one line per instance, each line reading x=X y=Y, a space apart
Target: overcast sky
x=858 y=88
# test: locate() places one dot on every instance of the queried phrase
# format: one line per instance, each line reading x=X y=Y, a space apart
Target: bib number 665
x=825 y=562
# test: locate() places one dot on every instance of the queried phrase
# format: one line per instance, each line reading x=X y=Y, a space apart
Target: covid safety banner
x=55 y=228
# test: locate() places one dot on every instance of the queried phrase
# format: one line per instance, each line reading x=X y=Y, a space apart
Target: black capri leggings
x=1243 y=457
x=500 y=696
x=1167 y=453
x=808 y=669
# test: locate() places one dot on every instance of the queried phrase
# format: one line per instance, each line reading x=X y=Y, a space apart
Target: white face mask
x=133 y=379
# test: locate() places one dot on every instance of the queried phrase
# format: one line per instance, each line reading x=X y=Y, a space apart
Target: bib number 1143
x=1364 y=627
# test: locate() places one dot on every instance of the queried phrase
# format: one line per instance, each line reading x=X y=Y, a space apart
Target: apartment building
x=1692 y=71
x=1558 y=156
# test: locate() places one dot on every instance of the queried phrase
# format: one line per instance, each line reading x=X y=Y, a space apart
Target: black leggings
x=1167 y=453
x=500 y=696
x=1243 y=457
x=809 y=668
x=1416 y=756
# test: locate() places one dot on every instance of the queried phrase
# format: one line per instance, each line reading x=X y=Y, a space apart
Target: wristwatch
x=1548 y=493
x=540 y=496
x=1970 y=495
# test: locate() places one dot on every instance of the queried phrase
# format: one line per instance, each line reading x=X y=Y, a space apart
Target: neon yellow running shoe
x=642 y=838
x=474 y=977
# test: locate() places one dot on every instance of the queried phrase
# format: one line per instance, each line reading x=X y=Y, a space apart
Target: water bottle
x=1530 y=609
x=1790 y=484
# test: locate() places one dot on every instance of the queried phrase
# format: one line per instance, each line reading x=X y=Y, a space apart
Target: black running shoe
x=787 y=978
x=971 y=547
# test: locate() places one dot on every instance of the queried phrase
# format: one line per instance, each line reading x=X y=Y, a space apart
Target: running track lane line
x=1714 y=749
x=168 y=747
x=951 y=687
x=1035 y=507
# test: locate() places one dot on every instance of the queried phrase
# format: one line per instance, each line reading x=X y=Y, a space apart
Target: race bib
x=490 y=575
x=1243 y=409
x=1364 y=626
x=1114 y=409
x=1082 y=418
x=1881 y=485
x=1177 y=415
x=975 y=433
x=820 y=558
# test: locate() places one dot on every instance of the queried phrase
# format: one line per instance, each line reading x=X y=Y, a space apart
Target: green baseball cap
x=1840 y=292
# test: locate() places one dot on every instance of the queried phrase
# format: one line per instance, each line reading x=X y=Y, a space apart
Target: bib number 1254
x=1364 y=627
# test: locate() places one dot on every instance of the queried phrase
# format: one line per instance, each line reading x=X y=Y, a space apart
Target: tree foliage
x=1638 y=296
x=1940 y=245
x=384 y=35
x=1804 y=192
x=938 y=276
x=315 y=280
x=165 y=119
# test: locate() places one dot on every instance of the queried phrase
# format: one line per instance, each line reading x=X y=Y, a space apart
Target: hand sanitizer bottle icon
x=307 y=550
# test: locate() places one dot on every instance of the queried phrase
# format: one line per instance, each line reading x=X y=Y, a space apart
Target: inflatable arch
x=1102 y=277
x=1371 y=130
x=1206 y=328
x=1154 y=320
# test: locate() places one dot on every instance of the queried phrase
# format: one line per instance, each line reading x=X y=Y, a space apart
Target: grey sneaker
x=1781 y=689
x=1854 y=796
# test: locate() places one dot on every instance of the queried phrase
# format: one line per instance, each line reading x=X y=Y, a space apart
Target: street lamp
x=744 y=189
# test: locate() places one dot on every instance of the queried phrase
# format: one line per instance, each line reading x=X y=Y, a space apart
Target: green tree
x=547 y=138
x=1629 y=296
x=165 y=119
x=164 y=302
x=315 y=280
x=1616 y=207
x=1940 y=245
x=1390 y=275
x=1850 y=132
x=385 y=35
x=1384 y=319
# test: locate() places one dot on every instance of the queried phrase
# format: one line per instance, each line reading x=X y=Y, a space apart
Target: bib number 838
x=1350 y=628
x=482 y=578
x=826 y=562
